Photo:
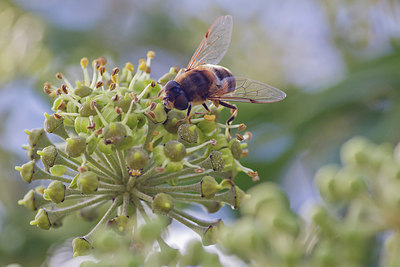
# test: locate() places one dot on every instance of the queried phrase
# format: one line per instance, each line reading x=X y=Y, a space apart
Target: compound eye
x=181 y=102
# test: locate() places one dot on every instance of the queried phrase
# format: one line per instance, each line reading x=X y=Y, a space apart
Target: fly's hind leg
x=234 y=111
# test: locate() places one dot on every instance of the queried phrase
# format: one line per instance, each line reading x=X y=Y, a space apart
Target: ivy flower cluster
x=110 y=142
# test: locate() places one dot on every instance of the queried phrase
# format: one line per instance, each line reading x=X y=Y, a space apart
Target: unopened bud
x=188 y=133
x=114 y=133
x=175 y=150
x=137 y=158
x=162 y=203
x=80 y=246
x=55 y=192
x=88 y=182
x=75 y=146
x=41 y=220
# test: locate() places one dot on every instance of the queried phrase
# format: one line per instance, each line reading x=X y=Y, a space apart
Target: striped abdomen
x=205 y=81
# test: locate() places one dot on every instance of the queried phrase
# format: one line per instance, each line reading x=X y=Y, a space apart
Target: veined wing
x=214 y=44
x=249 y=91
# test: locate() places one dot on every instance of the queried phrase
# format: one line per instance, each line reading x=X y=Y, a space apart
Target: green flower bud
x=41 y=220
x=87 y=109
x=32 y=200
x=55 y=125
x=58 y=170
x=152 y=230
x=210 y=236
x=217 y=161
x=75 y=146
x=114 y=133
x=209 y=187
x=171 y=124
x=92 y=145
x=207 y=126
x=26 y=171
x=141 y=120
x=48 y=156
x=71 y=108
x=188 y=134
x=240 y=197
x=167 y=77
x=263 y=197
x=106 y=149
x=159 y=115
x=83 y=91
x=109 y=114
x=137 y=158
x=55 y=192
x=162 y=203
x=324 y=179
x=107 y=241
x=37 y=138
x=174 y=166
x=221 y=142
x=132 y=121
x=236 y=148
x=159 y=155
x=175 y=150
x=124 y=103
x=81 y=124
x=81 y=246
x=88 y=182
x=120 y=222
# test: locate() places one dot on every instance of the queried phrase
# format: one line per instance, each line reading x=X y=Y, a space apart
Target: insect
x=203 y=80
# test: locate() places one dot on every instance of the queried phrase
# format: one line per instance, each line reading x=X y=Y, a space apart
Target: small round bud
x=87 y=109
x=58 y=170
x=173 y=117
x=175 y=150
x=137 y=158
x=51 y=123
x=114 y=133
x=174 y=166
x=80 y=246
x=88 y=182
x=153 y=229
x=55 y=192
x=211 y=235
x=167 y=77
x=124 y=103
x=41 y=220
x=132 y=121
x=217 y=161
x=162 y=203
x=32 y=200
x=188 y=133
x=207 y=126
x=75 y=146
x=159 y=114
x=236 y=148
x=159 y=155
x=83 y=91
x=48 y=156
x=209 y=187
x=26 y=170
x=119 y=222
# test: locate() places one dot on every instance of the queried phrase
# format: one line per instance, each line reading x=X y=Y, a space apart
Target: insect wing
x=214 y=44
x=250 y=91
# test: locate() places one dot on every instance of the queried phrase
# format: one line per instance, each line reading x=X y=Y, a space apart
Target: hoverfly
x=203 y=80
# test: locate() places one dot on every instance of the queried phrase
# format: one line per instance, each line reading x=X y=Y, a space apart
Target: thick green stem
x=112 y=186
x=141 y=195
x=198 y=229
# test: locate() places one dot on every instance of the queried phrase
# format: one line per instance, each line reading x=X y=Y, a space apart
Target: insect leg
x=201 y=113
x=233 y=116
x=206 y=107
x=184 y=119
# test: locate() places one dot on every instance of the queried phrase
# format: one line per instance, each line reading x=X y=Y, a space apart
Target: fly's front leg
x=234 y=111
x=187 y=117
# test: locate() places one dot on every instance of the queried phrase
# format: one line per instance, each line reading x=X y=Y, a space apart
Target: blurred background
x=338 y=62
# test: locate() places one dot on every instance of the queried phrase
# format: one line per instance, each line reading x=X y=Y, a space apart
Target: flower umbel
x=121 y=149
